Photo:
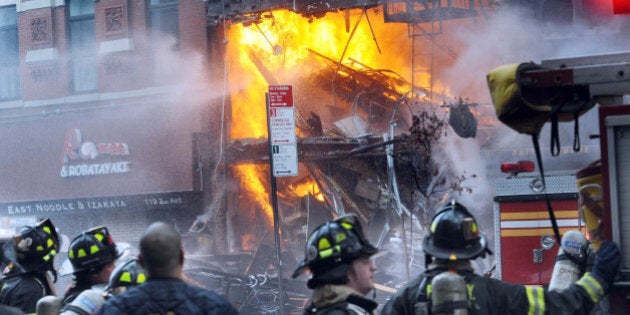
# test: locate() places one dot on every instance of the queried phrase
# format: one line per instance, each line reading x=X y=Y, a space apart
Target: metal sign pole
x=276 y=217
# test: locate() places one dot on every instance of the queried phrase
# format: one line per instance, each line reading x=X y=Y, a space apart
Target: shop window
x=82 y=45
x=164 y=32
x=9 y=54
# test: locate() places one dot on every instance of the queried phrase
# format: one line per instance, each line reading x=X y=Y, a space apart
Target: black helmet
x=126 y=275
x=33 y=246
x=91 y=250
x=454 y=235
x=333 y=246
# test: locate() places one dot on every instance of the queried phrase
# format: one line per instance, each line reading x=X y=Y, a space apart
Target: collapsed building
x=146 y=136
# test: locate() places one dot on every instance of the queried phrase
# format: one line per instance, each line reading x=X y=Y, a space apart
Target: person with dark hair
x=450 y=286
x=338 y=257
x=29 y=273
x=92 y=255
x=165 y=291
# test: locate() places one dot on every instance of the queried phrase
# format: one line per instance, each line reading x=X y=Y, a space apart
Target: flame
x=249 y=242
x=308 y=187
x=251 y=179
x=274 y=51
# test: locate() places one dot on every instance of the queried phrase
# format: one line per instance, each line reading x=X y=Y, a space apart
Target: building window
x=9 y=54
x=82 y=47
x=164 y=32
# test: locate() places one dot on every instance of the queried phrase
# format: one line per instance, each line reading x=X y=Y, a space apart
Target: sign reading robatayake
x=75 y=149
x=104 y=151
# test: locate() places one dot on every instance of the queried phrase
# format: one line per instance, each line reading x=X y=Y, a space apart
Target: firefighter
x=29 y=273
x=92 y=255
x=338 y=257
x=454 y=240
x=124 y=276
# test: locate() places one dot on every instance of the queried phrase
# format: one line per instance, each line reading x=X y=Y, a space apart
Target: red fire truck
x=525 y=243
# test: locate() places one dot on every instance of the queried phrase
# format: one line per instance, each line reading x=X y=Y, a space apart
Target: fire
x=251 y=180
x=308 y=187
x=274 y=51
x=249 y=242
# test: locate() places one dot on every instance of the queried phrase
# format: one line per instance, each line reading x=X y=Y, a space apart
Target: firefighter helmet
x=127 y=274
x=33 y=246
x=332 y=247
x=454 y=235
x=91 y=250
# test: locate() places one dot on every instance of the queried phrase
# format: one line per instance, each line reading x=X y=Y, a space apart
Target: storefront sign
x=75 y=149
x=151 y=201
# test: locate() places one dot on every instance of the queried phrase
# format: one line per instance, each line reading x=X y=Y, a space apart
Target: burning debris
x=346 y=165
x=462 y=119
x=358 y=127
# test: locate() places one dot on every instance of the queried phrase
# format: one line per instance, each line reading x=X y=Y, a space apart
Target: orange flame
x=249 y=242
x=274 y=51
x=251 y=179
x=308 y=187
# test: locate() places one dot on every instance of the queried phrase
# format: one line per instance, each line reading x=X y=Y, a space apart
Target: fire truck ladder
x=422 y=51
x=424 y=21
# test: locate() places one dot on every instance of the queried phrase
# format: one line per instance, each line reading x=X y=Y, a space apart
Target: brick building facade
x=101 y=108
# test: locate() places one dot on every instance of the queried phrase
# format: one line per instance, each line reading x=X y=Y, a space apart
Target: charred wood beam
x=330 y=185
x=375 y=92
x=313 y=149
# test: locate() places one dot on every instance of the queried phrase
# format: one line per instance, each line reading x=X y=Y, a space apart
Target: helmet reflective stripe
x=50 y=255
x=46 y=229
x=536 y=299
x=347 y=225
x=94 y=249
x=340 y=237
x=128 y=278
x=323 y=244
x=329 y=252
x=99 y=236
x=125 y=277
x=592 y=287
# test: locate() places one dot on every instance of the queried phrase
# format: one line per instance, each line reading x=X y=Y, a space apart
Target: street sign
x=285 y=162
x=282 y=125
x=282 y=138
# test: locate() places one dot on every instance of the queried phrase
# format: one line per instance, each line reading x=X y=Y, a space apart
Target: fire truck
x=525 y=243
x=525 y=246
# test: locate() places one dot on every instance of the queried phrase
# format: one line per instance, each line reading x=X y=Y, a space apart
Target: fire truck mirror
x=547 y=242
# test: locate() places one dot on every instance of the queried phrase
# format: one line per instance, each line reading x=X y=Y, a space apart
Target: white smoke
x=513 y=36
